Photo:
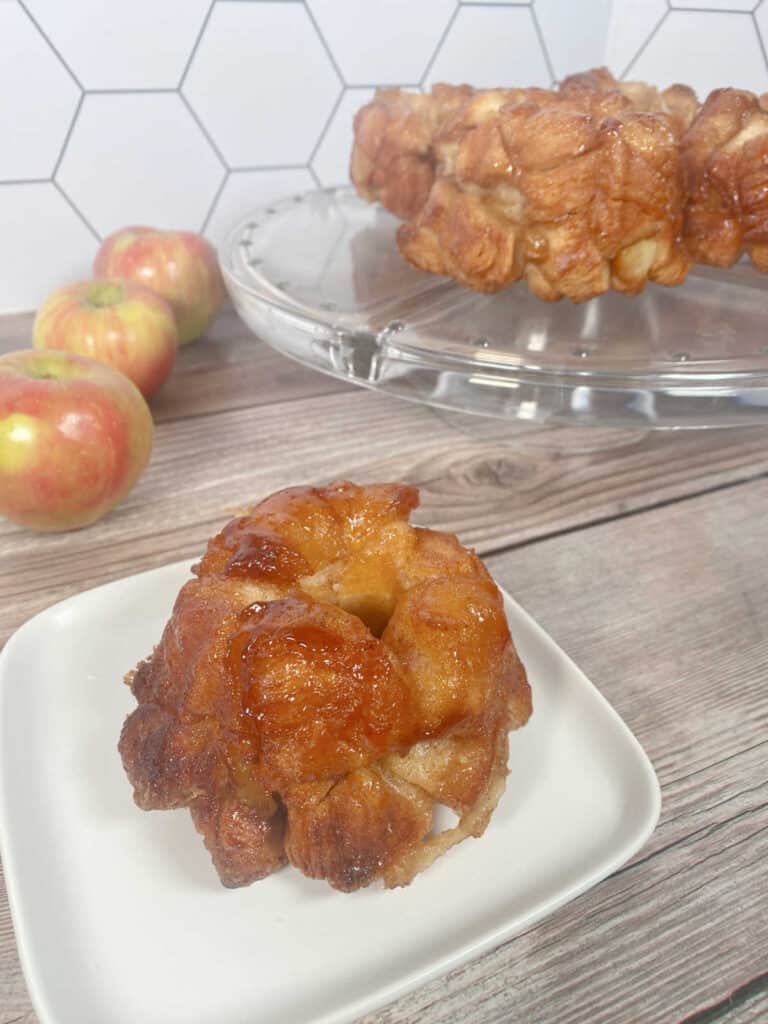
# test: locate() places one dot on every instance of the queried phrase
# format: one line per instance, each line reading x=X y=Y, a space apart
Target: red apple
x=75 y=436
x=116 y=322
x=179 y=265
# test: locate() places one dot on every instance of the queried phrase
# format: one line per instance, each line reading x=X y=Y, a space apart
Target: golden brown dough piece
x=393 y=161
x=576 y=191
x=599 y=184
x=725 y=154
x=329 y=676
x=394 y=158
x=677 y=102
x=575 y=198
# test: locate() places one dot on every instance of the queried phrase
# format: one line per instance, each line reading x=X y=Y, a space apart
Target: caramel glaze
x=260 y=554
x=329 y=675
x=320 y=694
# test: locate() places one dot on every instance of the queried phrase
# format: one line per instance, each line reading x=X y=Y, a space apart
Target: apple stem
x=103 y=293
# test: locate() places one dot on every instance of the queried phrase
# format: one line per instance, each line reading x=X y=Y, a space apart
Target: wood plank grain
x=665 y=610
x=745 y=1005
x=493 y=493
x=228 y=368
x=667 y=613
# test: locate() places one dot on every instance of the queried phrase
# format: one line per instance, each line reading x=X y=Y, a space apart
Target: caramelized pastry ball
x=573 y=197
x=725 y=154
x=599 y=184
x=330 y=676
x=574 y=191
x=393 y=162
x=678 y=102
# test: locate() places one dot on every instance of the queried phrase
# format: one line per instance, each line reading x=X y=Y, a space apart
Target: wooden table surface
x=645 y=557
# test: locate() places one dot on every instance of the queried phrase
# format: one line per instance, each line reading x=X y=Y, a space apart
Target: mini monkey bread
x=595 y=185
x=329 y=676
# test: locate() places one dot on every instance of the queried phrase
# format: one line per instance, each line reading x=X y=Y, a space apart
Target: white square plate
x=120 y=917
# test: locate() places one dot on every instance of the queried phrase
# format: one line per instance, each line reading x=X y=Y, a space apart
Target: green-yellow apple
x=117 y=322
x=179 y=265
x=75 y=435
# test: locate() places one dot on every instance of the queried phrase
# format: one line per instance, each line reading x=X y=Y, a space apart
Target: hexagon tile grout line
x=217 y=193
x=195 y=45
x=391 y=85
x=708 y=10
x=53 y=49
x=326 y=126
x=131 y=90
x=58 y=62
x=543 y=45
x=76 y=166
x=719 y=35
x=251 y=170
x=26 y=181
x=254 y=168
x=326 y=47
x=685 y=8
x=644 y=46
x=76 y=210
x=204 y=131
x=214 y=202
x=223 y=97
x=67 y=137
x=760 y=40
x=440 y=41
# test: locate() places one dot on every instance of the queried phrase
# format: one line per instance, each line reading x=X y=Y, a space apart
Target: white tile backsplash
x=705 y=49
x=331 y=161
x=574 y=43
x=761 y=20
x=38 y=99
x=189 y=113
x=382 y=42
x=100 y=40
x=630 y=29
x=139 y=158
x=245 y=190
x=716 y=5
x=488 y=46
x=262 y=82
x=44 y=245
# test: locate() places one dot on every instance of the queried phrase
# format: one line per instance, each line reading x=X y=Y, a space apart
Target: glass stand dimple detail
x=320 y=278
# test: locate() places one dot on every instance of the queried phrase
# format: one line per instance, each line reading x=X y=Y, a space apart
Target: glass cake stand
x=320 y=278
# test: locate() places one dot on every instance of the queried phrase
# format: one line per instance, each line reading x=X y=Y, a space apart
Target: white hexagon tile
x=104 y=56
x=189 y=113
x=574 y=43
x=381 y=43
x=331 y=159
x=716 y=5
x=53 y=246
x=761 y=18
x=262 y=82
x=492 y=45
x=628 y=34
x=38 y=98
x=139 y=158
x=699 y=47
x=244 y=190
